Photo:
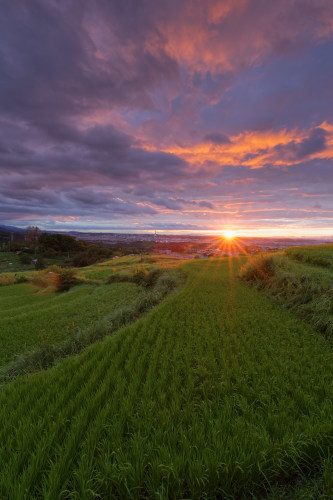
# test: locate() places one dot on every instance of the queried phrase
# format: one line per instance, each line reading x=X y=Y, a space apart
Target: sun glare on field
x=229 y=234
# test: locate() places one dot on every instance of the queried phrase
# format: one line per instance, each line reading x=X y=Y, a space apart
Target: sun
x=229 y=234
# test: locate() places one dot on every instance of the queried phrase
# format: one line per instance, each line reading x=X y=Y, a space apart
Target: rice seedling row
x=216 y=392
x=29 y=319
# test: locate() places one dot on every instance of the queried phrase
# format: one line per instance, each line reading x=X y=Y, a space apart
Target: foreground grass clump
x=307 y=292
x=216 y=393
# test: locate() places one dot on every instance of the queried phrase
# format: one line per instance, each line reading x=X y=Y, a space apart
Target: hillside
x=217 y=392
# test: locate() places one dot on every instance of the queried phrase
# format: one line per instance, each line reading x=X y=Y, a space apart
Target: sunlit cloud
x=178 y=116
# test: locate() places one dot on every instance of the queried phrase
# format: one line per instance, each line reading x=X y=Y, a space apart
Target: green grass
x=317 y=255
x=36 y=317
x=128 y=264
x=16 y=265
x=28 y=318
x=304 y=288
x=10 y=263
x=217 y=392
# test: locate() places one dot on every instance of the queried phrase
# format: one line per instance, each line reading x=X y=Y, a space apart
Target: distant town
x=188 y=246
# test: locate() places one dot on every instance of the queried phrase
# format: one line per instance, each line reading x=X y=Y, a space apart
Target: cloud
x=216 y=138
x=155 y=113
x=295 y=151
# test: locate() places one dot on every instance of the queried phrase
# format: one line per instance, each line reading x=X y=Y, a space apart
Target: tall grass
x=309 y=296
x=316 y=255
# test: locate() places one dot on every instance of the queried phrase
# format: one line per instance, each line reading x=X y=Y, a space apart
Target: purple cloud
x=112 y=111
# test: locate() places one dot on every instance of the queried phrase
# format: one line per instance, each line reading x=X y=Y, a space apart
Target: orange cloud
x=251 y=149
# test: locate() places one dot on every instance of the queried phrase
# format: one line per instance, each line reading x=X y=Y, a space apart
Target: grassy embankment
x=216 y=392
x=300 y=279
x=316 y=255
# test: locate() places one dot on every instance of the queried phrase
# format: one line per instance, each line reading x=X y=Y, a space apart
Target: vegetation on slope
x=157 y=285
x=55 y=325
x=218 y=392
x=317 y=255
x=28 y=319
x=306 y=290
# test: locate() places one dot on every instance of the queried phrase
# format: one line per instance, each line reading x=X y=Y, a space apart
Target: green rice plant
x=216 y=393
x=47 y=353
x=27 y=310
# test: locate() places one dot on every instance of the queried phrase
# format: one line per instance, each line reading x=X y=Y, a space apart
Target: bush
x=140 y=277
x=56 y=277
x=51 y=253
x=120 y=278
x=21 y=279
x=153 y=276
x=40 y=264
x=7 y=279
x=25 y=258
x=44 y=279
x=67 y=280
x=259 y=268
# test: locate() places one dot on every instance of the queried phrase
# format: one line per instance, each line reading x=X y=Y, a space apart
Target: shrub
x=167 y=282
x=25 y=258
x=21 y=279
x=119 y=278
x=67 y=280
x=139 y=277
x=259 y=268
x=153 y=276
x=51 y=253
x=40 y=264
x=44 y=279
x=7 y=279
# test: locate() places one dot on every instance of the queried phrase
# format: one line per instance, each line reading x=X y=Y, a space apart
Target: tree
x=59 y=243
x=32 y=235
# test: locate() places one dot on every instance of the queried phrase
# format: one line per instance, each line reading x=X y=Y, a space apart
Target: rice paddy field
x=29 y=318
x=129 y=264
x=32 y=315
x=218 y=392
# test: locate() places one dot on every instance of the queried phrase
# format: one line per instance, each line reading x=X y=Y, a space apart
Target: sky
x=171 y=115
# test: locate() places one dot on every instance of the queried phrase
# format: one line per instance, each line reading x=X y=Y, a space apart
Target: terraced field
x=129 y=264
x=217 y=392
x=33 y=316
x=28 y=318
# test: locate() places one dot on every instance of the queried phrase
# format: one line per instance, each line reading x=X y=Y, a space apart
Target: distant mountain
x=12 y=229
